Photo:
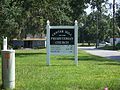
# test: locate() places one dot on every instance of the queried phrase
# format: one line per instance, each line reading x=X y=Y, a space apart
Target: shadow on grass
x=115 y=57
x=27 y=54
x=65 y=58
x=88 y=58
x=95 y=58
x=45 y=65
x=109 y=64
x=31 y=65
x=84 y=58
x=63 y=65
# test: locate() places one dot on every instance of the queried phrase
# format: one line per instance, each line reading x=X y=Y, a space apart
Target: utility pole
x=97 y=22
x=113 y=24
x=97 y=38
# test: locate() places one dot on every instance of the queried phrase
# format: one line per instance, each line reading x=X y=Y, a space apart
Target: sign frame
x=75 y=27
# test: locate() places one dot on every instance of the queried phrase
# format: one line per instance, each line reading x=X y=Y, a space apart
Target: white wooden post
x=48 y=42
x=5 y=43
x=76 y=42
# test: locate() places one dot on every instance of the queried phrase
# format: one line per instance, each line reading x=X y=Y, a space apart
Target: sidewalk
x=110 y=54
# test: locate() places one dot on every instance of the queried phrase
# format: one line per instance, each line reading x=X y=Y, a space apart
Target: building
x=117 y=40
x=37 y=41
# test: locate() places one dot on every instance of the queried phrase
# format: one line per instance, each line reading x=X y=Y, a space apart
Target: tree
x=88 y=30
x=118 y=18
x=22 y=17
x=8 y=25
x=29 y=16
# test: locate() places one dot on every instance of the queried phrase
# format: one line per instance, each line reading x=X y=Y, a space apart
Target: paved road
x=103 y=53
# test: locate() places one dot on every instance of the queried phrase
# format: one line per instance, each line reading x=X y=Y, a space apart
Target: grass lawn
x=92 y=73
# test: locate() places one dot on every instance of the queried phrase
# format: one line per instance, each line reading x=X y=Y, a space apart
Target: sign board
x=62 y=40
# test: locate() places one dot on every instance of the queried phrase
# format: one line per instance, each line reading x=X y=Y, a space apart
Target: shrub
x=118 y=45
x=17 y=47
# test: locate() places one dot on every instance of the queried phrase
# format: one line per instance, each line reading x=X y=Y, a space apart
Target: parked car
x=102 y=44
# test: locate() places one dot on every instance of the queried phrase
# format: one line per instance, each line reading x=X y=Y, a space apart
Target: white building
x=117 y=40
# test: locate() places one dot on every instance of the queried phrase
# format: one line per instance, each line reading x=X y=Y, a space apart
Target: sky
x=88 y=10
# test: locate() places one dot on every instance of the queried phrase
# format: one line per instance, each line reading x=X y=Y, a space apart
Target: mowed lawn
x=92 y=73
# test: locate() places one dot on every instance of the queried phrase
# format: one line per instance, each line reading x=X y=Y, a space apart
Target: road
x=110 y=54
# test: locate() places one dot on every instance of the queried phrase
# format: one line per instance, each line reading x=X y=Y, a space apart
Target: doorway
x=27 y=44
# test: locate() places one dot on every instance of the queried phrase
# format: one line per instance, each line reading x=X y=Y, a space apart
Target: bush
x=0 y=47
x=106 y=47
x=17 y=47
x=40 y=47
x=118 y=46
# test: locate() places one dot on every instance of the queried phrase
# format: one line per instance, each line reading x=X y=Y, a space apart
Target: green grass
x=92 y=73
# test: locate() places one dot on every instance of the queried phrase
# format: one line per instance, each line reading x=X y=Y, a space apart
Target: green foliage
x=8 y=15
x=91 y=27
x=21 y=17
x=16 y=47
x=107 y=47
x=118 y=46
x=98 y=25
x=118 y=18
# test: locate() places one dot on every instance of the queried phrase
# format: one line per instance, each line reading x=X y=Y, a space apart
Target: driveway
x=110 y=54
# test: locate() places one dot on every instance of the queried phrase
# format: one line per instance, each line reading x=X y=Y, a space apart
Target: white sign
x=62 y=40
x=62 y=49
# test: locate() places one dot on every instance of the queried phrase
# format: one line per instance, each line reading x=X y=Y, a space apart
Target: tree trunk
x=88 y=43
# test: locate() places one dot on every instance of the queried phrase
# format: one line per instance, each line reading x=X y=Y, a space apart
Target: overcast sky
x=115 y=0
x=88 y=10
